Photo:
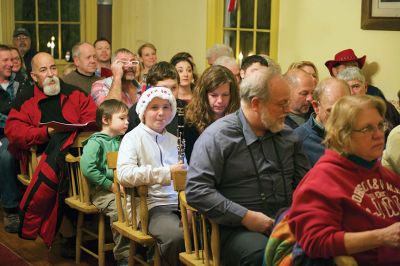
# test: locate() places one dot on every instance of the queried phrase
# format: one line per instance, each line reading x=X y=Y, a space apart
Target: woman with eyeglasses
x=19 y=72
x=348 y=203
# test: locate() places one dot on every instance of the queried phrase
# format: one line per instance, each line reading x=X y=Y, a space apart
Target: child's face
x=118 y=124
x=157 y=114
x=171 y=84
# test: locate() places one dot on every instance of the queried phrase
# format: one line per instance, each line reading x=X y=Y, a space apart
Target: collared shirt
x=222 y=179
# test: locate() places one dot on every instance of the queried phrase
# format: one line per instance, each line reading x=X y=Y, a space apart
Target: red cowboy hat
x=345 y=56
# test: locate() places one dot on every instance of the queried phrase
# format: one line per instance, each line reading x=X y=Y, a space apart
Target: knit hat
x=149 y=95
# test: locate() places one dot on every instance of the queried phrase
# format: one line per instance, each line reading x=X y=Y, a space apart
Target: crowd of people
x=256 y=141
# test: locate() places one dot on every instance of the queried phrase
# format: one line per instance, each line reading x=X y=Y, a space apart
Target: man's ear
x=255 y=104
x=315 y=106
x=242 y=74
x=33 y=76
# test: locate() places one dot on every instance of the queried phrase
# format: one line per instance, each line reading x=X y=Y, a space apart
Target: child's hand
x=178 y=167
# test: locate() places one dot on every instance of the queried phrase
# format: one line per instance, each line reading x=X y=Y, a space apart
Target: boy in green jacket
x=112 y=118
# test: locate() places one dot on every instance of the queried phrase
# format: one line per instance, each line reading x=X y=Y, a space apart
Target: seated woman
x=215 y=95
x=348 y=204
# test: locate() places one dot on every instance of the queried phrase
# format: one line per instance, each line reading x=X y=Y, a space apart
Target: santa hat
x=149 y=95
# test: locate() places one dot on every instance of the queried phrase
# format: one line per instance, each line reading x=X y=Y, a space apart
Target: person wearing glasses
x=358 y=86
x=312 y=132
x=245 y=166
x=22 y=40
x=348 y=203
x=122 y=85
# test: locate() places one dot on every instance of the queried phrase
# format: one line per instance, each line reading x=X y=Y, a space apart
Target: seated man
x=251 y=64
x=83 y=77
x=122 y=85
x=9 y=191
x=356 y=81
x=50 y=100
x=302 y=85
x=245 y=166
x=231 y=64
x=103 y=57
x=347 y=58
x=312 y=132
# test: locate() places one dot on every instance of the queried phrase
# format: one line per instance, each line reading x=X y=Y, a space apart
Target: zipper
x=160 y=151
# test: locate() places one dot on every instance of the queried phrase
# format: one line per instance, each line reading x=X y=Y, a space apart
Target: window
x=249 y=29
x=47 y=18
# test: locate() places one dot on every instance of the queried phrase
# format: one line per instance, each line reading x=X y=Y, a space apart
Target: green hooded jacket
x=94 y=160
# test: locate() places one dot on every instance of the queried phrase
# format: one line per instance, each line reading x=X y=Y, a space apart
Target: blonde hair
x=301 y=64
x=341 y=120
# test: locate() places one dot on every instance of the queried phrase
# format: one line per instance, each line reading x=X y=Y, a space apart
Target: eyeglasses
x=21 y=38
x=133 y=63
x=382 y=126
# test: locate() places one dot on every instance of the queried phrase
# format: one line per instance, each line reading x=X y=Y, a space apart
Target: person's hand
x=117 y=69
x=257 y=222
x=391 y=235
x=177 y=167
x=51 y=131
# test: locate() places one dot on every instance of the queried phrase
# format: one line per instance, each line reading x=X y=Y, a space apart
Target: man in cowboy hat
x=347 y=58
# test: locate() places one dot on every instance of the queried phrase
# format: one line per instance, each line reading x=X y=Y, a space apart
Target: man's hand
x=50 y=131
x=117 y=69
x=257 y=222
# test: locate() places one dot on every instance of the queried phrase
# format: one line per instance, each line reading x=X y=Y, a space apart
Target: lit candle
x=51 y=45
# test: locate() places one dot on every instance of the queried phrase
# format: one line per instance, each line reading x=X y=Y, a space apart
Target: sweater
x=144 y=158
x=338 y=195
x=94 y=160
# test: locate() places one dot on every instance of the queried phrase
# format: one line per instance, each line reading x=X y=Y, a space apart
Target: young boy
x=147 y=155
x=112 y=118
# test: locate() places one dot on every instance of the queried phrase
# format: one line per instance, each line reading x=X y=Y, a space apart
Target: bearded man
x=122 y=85
x=50 y=100
x=245 y=166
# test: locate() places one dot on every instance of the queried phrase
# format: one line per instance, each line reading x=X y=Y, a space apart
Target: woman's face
x=185 y=72
x=16 y=60
x=218 y=100
x=149 y=57
x=369 y=144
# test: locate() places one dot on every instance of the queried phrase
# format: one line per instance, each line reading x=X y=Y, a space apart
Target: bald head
x=84 y=55
x=44 y=73
x=327 y=93
x=302 y=86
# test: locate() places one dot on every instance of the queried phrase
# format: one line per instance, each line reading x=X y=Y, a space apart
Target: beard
x=51 y=89
x=272 y=124
x=129 y=76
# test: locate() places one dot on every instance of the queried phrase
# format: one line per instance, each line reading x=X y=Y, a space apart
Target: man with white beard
x=122 y=85
x=50 y=100
x=245 y=167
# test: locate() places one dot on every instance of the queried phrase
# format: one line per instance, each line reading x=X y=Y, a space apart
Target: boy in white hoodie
x=147 y=155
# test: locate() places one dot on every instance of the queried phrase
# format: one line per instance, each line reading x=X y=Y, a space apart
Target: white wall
x=316 y=30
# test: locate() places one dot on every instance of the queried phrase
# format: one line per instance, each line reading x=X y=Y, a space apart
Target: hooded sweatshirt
x=338 y=195
x=94 y=160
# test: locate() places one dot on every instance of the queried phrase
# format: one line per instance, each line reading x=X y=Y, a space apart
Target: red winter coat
x=40 y=206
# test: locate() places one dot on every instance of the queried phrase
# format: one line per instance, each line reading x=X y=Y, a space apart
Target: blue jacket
x=312 y=136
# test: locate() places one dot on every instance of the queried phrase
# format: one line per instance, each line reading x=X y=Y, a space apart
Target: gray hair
x=219 y=50
x=325 y=84
x=226 y=61
x=351 y=73
x=274 y=66
x=256 y=85
x=75 y=49
x=122 y=51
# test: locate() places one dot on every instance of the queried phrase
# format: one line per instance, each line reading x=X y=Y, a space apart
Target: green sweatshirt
x=94 y=159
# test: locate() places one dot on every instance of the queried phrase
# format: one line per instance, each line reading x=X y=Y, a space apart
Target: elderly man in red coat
x=50 y=100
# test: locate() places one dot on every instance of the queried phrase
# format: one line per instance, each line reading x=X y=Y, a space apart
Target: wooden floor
x=36 y=253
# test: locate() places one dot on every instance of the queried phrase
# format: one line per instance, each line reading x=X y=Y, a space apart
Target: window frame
x=215 y=26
